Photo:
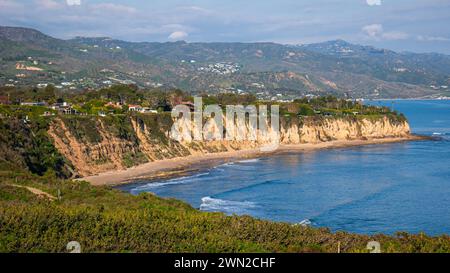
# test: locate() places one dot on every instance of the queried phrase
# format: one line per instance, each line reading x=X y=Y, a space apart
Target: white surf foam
x=227 y=206
x=229 y=164
x=305 y=222
x=174 y=181
x=249 y=160
x=223 y=166
x=226 y=164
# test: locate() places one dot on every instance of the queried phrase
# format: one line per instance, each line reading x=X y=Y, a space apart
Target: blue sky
x=402 y=25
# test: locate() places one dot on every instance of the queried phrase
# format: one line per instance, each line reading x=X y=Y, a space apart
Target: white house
x=134 y=108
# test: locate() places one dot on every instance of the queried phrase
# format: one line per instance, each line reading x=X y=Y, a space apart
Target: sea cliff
x=95 y=145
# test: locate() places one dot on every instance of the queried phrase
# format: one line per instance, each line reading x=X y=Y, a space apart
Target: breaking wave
x=305 y=223
x=226 y=206
x=249 y=160
x=174 y=181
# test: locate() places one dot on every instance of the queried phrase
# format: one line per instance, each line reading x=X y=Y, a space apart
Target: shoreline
x=182 y=166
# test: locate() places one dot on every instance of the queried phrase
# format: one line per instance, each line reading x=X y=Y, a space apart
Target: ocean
x=369 y=189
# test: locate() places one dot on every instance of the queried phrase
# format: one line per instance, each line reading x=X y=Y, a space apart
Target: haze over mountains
x=29 y=57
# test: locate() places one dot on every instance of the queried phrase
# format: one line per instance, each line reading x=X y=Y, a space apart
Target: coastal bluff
x=94 y=145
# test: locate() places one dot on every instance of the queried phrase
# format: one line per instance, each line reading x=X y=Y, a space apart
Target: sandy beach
x=184 y=165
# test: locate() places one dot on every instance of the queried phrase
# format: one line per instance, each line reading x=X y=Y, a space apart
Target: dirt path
x=37 y=192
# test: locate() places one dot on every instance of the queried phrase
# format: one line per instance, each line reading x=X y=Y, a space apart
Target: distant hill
x=268 y=69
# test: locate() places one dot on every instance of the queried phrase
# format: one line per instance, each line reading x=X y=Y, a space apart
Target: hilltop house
x=134 y=108
x=148 y=110
x=64 y=108
x=59 y=105
x=69 y=111
x=140 y=109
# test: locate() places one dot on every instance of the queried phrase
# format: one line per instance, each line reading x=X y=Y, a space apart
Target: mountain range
x=29 y=57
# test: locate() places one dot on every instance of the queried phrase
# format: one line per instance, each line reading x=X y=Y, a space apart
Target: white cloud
x=373 y=31
x=178 y=35
x=376 y=32
x=374 y=2
x=73 y=2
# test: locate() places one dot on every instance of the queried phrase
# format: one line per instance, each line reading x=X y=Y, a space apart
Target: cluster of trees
x=225 y=99
x=17 y=95
x=330 y=105
x=126 y=94
x=93 y=101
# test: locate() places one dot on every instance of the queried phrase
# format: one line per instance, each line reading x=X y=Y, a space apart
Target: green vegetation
x=84 y=128
x=106 y=220
x=120 y=127
x=133 y=159
x=229 y=99
x=156 y=124
x=114 y=101
x=22 y=112
x=332 y=106
x=25 y=144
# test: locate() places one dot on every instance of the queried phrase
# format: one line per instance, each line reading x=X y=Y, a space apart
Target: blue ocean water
x=371 y=189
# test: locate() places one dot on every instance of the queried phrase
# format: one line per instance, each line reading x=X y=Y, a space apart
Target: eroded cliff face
x=139 y=139
x=312 y=130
